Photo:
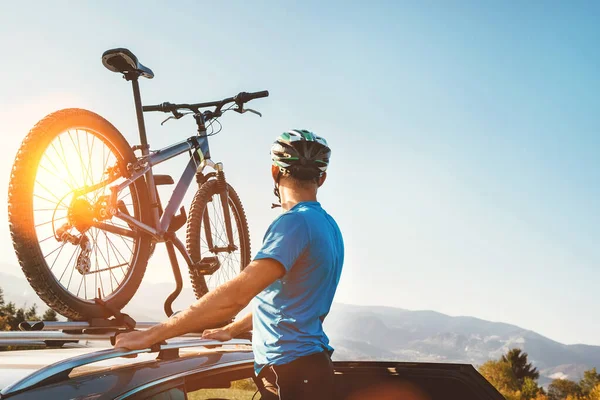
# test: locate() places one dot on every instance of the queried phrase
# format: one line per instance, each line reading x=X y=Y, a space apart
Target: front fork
x=224 y=199
x=224 y=195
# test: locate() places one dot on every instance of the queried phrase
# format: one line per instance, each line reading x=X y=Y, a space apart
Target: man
x=292 y=281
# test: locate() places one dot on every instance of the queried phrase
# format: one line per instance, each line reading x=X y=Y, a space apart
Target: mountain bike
x=85 y=214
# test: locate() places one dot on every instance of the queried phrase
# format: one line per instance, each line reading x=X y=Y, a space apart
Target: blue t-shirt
x=288 y=315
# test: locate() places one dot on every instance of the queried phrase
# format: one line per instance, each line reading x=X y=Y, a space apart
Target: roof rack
x=57 y=336
x=61 y=370
x=79 y=325
x=56 y=332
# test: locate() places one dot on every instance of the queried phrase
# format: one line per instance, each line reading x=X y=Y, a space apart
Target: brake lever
x=176 y=115
x=252 y=111
x=168 y=118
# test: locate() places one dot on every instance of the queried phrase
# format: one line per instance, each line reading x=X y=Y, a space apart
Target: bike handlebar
x=240 y=98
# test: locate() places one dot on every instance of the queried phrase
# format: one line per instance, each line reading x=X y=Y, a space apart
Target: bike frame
x=198 y=146
x=199 y=150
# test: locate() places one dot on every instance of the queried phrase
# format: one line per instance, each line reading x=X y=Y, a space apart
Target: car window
x=241 y=389
x=169 y=394
x=230 y=383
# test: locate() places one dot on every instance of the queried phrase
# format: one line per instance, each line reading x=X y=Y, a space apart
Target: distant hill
x=386 y=333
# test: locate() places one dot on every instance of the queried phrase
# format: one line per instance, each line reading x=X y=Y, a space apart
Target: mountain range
x=386 y=333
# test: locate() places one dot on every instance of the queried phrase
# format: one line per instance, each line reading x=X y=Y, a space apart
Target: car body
x=202 y=369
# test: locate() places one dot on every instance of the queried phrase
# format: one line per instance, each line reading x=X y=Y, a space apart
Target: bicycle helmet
x=301 y=154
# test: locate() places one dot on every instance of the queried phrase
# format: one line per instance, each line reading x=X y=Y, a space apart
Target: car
x=80 y=366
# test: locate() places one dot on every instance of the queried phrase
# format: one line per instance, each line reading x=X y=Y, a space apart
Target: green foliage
x=595 y=392
x=559 y=389
x=513 y=376
x=11 y=316
x=529 y=389
x=500 y=375
x=50 y=315
x=589 y=381
x=516 y=379
x=3 y=315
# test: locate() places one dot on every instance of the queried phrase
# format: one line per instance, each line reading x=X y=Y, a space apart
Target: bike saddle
x=123 y=61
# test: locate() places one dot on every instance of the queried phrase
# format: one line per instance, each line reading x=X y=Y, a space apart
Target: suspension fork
x=224 y=199
x=224 y=195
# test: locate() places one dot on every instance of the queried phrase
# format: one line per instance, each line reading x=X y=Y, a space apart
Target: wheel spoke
x=116 y=250
x=49 y=222
x=62 y=159
x=67 y=266
x=77 y=148
x=56 y=176
x=52 y=194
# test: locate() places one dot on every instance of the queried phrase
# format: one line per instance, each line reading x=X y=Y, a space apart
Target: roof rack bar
x=63 y=368
x=77 y=325
x=61 y=336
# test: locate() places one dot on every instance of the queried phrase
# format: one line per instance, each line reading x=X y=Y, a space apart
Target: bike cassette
x=207 y=266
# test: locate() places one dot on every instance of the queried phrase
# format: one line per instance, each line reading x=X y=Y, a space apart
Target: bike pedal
x=207 y=266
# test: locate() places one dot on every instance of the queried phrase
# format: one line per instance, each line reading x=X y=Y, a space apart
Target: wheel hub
x=81 y=214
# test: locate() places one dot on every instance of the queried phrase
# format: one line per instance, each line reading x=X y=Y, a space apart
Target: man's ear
x=274 y=172
x=322 y=178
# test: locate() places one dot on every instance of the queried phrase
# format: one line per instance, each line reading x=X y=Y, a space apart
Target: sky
x=464 y=170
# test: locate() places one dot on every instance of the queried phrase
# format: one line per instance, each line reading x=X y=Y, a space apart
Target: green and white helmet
x=301 y=154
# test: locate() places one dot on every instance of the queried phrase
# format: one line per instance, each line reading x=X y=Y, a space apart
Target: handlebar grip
x=164 y=107
x=244 y=97
x=151 y=108
x=258 y=95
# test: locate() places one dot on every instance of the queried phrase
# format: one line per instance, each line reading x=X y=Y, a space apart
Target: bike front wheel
x=65 y=237
x=207 y=237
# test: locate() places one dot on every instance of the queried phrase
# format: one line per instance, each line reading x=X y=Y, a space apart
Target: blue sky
x=465 y=134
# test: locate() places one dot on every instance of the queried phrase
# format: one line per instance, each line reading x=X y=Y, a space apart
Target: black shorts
x=308 y=377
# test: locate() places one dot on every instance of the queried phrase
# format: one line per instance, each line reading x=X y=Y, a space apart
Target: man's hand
x=134 y=340
x=220 y=334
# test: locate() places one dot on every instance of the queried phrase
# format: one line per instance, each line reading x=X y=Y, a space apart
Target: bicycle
x=67 y=221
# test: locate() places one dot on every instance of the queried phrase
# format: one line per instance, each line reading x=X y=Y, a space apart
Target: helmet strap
x=276 y=191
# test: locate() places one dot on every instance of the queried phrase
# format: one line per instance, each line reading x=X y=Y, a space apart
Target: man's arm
x=230 y=331
x=218 y=305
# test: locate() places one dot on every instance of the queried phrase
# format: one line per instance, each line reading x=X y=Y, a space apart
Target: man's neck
x=290 y=197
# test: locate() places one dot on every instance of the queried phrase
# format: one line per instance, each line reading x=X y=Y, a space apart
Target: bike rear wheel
x=57 y=226
x=207 y=206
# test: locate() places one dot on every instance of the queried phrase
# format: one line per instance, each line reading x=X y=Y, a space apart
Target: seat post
x=145 y=148
x=140 y=115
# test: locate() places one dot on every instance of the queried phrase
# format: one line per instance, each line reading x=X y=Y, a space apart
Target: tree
x=589 y=381
x=559 y=389
x=529 y=389
x=501 y=376
x=594 y=393
x=31 y=314
x=3 y=316
x=519 y=365
x=50 y=315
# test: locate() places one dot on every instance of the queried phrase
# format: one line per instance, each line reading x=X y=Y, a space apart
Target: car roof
x=17 y=364
x=93 y=367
